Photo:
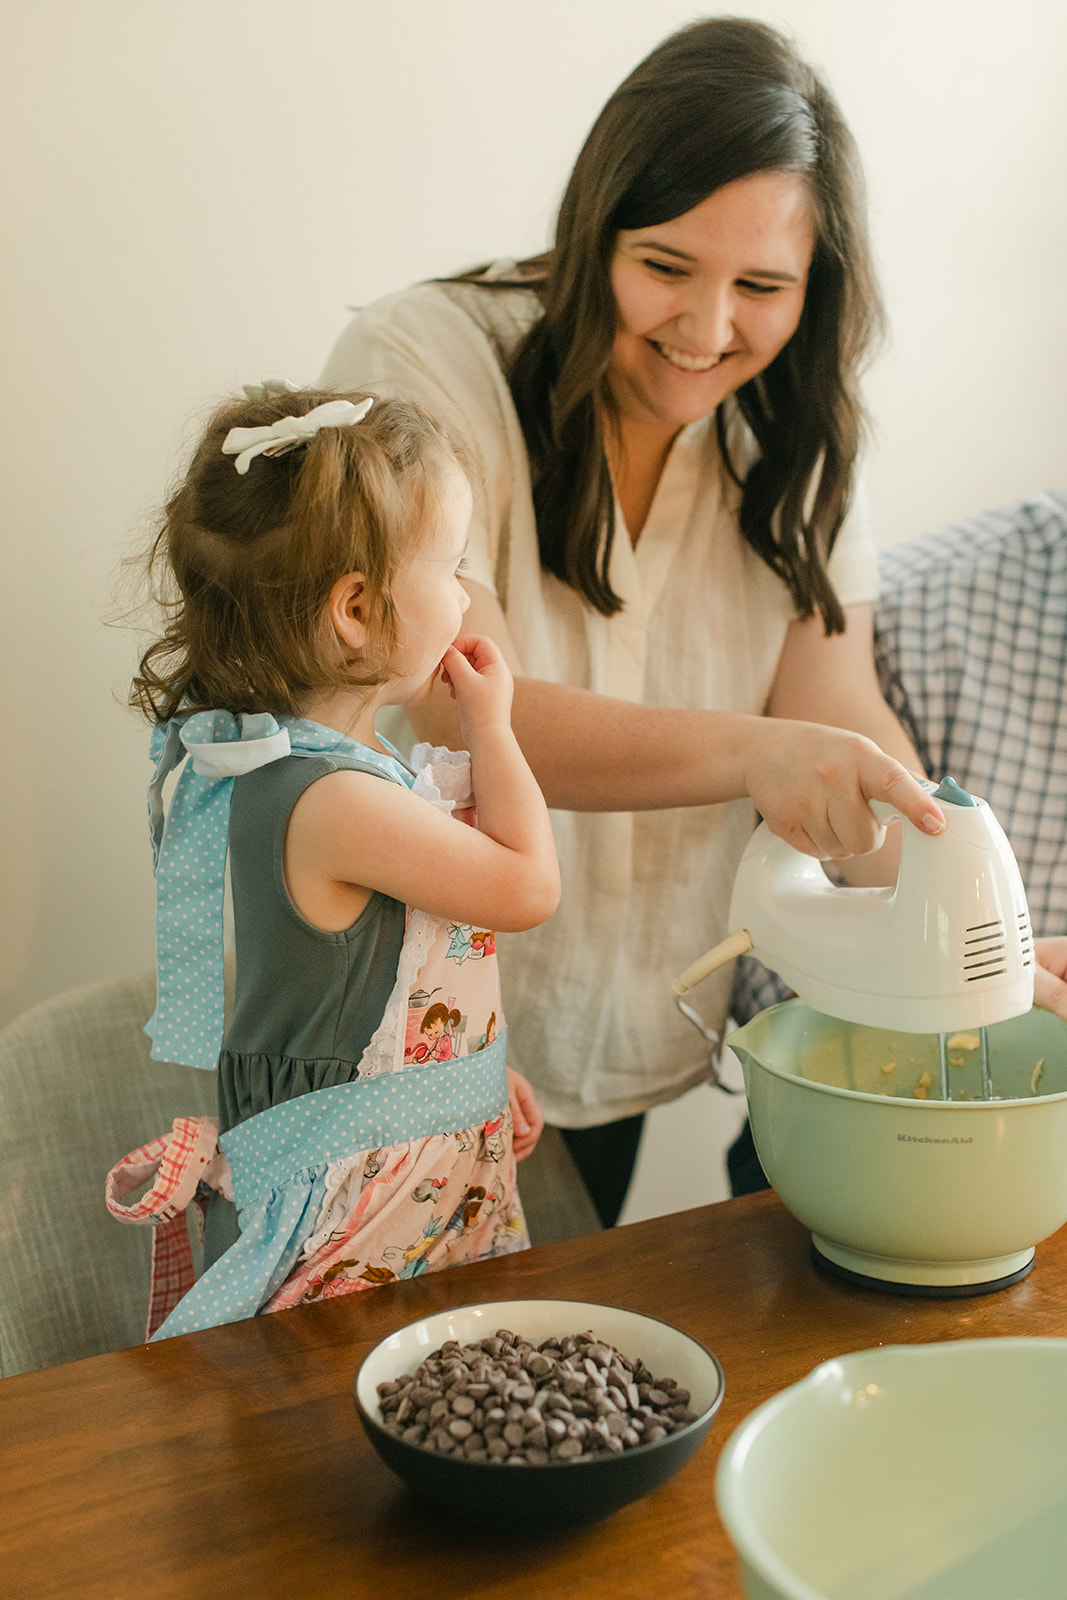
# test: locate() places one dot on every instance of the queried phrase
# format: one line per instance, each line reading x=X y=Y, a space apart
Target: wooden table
x=230 y=1465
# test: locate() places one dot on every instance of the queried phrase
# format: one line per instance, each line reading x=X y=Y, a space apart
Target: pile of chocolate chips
x=508 y=1401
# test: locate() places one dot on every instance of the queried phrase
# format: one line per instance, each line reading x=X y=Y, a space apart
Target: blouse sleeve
x=422 y=345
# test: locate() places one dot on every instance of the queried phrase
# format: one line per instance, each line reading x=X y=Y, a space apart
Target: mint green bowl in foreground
x=910 y=1472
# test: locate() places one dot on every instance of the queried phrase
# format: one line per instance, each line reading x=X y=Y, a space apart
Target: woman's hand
x=812 y=783
x=525 y=1115
x=845 y=747
x=1050 y=979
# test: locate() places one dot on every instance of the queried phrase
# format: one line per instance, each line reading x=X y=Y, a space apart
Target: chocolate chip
x=567 y=1450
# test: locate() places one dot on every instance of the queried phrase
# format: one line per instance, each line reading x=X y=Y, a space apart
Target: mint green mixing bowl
x=916 y=1195
x=912 y=1472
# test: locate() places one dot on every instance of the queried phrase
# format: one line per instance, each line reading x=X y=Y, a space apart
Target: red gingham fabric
x=173 y=1165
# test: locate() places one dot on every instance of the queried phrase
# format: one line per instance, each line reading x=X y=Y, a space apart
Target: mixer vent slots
x=1026 y=940
x=985 y=949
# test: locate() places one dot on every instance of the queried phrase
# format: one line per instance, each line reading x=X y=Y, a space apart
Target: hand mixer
x=948 y=947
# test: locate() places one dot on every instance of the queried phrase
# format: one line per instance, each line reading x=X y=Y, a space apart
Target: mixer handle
x=885 y=811
x=737 y=944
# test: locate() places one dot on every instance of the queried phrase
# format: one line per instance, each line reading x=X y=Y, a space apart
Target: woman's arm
x=590 y=752
x=832 y=679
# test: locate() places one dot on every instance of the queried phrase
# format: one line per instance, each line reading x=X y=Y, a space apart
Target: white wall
x=193 y=192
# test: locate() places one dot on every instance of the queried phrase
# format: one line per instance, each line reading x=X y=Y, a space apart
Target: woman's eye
x=761 y=289
x=664 y=269
x=463 y=566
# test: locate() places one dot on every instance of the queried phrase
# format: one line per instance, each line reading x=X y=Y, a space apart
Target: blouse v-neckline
x=639 y=571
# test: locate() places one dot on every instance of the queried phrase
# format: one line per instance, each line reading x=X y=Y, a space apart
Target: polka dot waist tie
x=367 y=1114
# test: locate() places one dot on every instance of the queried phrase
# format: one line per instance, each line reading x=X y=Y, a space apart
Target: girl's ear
x=348 y=608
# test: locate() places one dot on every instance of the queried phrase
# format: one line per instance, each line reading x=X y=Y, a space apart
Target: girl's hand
x=479 y=680
x=811 y=784
x=525 y=1115
x=1050 y=979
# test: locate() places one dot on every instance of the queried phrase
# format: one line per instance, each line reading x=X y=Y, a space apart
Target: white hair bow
x=290 y=432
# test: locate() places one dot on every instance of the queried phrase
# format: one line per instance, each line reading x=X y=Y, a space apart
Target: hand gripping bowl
x=562 y=1493
x=912 y=1472
x=918 y=1196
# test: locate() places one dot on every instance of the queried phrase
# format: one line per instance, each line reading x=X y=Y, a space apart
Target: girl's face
x=706 y=301
x=429 y=598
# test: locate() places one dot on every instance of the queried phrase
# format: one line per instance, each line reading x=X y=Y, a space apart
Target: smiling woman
x=665 y=544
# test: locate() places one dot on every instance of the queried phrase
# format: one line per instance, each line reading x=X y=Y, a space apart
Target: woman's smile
x=684 y=359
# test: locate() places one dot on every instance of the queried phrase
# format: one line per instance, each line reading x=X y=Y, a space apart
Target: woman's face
x=706 y=301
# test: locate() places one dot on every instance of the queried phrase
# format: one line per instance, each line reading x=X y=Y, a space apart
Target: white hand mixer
x=948 y=947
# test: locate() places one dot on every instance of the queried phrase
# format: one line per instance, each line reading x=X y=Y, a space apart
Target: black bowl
x=560 y=1493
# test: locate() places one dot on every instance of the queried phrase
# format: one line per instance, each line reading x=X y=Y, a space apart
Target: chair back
x=77 y=1091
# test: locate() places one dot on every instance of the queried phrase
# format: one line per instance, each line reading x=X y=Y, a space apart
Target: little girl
x=310 y=565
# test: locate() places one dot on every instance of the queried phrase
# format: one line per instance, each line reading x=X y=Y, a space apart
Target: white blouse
x=592 y=1021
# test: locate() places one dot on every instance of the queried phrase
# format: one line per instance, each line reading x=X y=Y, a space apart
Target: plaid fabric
x=173 y=1165
x=971 y=645
x=971 y=649
x=172 y=1271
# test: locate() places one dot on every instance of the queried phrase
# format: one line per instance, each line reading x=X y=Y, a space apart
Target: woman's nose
x=709 y=320
x=465 y=602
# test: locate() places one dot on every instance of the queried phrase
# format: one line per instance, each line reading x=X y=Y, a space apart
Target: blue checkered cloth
x=971 y=648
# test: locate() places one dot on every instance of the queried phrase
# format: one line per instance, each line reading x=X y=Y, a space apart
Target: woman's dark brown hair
x=243 y=565
x=718 y=101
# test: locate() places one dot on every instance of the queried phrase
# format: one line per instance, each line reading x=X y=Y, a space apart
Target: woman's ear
x=348 y=609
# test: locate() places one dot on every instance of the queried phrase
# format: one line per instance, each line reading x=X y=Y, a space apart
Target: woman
x=665 y=545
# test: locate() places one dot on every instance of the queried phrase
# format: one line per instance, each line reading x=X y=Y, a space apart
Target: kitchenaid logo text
x=913 y=1138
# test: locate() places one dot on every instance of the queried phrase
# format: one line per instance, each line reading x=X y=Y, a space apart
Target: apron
x=407 y=1169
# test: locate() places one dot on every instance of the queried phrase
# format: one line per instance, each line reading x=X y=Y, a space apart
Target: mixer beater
x=943 y=1046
